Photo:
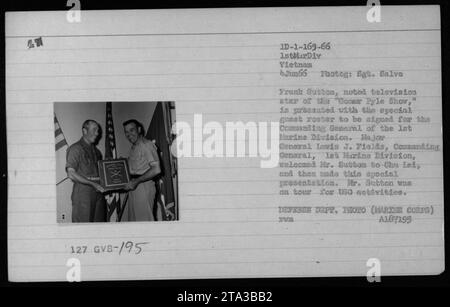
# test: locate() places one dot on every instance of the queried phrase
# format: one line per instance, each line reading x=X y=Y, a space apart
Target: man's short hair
x=87 y=123
x=137 y=124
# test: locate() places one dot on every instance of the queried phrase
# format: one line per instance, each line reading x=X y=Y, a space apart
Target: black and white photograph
x=113 y=162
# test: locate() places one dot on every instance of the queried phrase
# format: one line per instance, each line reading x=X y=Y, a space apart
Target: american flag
x=60 y=149
x=112 y=199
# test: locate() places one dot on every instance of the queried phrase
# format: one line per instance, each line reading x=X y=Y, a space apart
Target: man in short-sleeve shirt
x=88 y=202
x=144 y=165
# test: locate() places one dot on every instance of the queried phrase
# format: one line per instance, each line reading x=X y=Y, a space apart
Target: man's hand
x=83 y=180
x=98 y=187
x=131 y=185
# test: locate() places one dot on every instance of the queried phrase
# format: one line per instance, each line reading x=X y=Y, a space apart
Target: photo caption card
x=224 y=143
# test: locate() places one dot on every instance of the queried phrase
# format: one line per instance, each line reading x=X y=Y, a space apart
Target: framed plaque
x=114 y=174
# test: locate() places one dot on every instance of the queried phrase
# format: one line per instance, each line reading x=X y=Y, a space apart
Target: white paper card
x=338 y=172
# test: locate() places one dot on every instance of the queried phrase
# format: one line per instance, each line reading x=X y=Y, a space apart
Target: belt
x=134 y=176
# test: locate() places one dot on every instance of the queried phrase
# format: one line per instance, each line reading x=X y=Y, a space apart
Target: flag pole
x=122 y=209
x=62 y=180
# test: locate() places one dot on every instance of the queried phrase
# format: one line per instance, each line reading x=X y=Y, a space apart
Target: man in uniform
x=144 y=165
x=88 y=202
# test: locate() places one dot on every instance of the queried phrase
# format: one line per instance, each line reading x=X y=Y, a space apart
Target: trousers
x=141 y=202
x=88 y=205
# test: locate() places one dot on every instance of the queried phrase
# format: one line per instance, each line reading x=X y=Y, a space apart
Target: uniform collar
x=138 y=142
x=85 y=144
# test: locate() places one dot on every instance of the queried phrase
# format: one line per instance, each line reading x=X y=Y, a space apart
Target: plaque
x=114 y=174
